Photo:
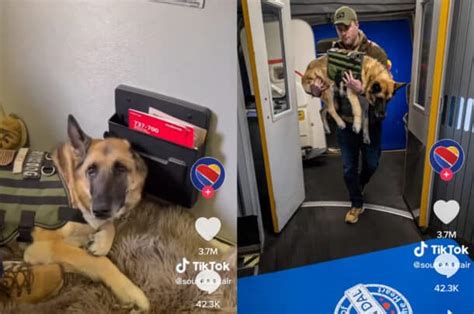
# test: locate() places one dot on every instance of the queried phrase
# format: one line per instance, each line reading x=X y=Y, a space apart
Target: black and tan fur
x=105 y=179
x=377 y=82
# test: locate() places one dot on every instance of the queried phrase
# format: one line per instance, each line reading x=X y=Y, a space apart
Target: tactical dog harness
x=341 y=61
x=37 y=196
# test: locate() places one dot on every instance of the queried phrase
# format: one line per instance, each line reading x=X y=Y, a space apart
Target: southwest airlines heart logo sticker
x=207 y=175
x=446 y=158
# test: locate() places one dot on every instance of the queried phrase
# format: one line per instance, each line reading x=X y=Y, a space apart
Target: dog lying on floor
x=377 y=82
x=103 y=179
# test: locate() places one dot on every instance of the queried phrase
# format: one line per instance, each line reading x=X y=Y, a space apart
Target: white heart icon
x=446 y=211
x=208 y=228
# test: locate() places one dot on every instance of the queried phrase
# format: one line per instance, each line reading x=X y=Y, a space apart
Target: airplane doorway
x=317 y=232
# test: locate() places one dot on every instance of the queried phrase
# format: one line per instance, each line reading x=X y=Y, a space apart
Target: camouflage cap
x=344 y=15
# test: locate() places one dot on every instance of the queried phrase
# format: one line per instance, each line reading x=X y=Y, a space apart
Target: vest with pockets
x=341 y=61
x=36 y=197
x=370 y=49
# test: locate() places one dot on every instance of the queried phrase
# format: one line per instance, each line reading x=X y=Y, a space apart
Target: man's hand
x=352 y=83
x=318 y=87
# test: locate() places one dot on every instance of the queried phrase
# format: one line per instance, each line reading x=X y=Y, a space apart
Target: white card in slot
x=199 y=133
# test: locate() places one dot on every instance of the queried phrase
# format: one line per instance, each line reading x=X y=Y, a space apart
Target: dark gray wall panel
x=456 y=115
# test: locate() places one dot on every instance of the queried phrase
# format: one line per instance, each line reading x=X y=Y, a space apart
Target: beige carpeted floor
x=149 y=243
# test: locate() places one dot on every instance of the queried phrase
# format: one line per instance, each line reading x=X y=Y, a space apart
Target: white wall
x=64 y=57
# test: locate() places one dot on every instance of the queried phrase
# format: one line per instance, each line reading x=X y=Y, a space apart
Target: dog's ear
x=398 y=85
x=375 y=88
x=79 y=140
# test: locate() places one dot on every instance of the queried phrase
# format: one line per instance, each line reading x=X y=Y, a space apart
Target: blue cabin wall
x=396 y=39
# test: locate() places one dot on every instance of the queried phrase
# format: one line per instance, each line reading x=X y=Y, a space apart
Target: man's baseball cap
x=344 y=15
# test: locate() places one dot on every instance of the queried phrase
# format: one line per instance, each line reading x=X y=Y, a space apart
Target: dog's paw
x=101 y=243
x=132 y=295
x=327 y=130
x=366 y=140
x=356 y=127
x=341 y=125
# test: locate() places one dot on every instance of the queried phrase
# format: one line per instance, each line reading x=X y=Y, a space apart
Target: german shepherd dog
x=104 y=179
x=377 y=82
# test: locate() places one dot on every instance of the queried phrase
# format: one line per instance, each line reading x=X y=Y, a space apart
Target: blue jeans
x=351 y=145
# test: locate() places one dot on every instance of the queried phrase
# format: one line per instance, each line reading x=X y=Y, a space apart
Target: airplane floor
x=318 y=234
x=324 y=180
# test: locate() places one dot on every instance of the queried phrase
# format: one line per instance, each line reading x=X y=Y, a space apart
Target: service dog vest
x=35 y=197
x=341 y=61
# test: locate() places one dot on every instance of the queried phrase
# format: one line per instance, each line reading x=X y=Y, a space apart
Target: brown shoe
x=24 y=283
x=352 y=215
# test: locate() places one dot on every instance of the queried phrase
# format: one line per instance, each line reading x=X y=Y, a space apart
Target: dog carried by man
x=357 y=72
x=377 y=84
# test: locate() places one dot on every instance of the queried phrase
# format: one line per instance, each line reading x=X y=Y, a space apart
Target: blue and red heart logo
x=207 y=175
x=446 y=156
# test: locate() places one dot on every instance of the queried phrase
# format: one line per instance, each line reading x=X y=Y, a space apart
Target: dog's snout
x=100 y=210
x=102 y=215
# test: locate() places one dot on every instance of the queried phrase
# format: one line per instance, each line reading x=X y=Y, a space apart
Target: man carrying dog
x=351 y=144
